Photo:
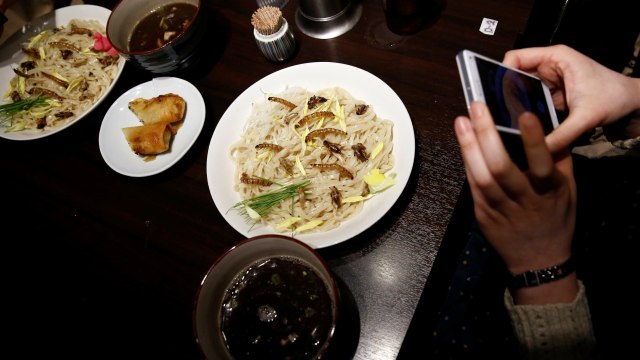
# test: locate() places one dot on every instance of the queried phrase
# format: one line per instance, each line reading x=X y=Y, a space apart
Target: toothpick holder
x=278 y=46
x=272 y=33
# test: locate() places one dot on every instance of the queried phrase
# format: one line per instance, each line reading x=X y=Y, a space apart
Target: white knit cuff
x=562 y=331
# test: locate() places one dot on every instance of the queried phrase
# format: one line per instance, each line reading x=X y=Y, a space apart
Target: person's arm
x=592 y=94
x=529 y=218
x=553 y=330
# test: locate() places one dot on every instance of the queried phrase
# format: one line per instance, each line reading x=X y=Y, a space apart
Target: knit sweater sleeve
x=553 y=331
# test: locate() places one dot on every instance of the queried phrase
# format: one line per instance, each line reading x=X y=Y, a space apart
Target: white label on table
x=488 y=26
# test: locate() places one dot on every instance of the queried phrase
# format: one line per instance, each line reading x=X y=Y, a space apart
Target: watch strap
x=543 y=276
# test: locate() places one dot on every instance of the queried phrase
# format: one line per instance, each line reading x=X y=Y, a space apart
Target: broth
x=161 y=26
x=278 y=308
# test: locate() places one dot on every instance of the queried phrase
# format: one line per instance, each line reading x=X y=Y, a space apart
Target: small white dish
x=62 y=17
x=114 y=148
x=312 y=76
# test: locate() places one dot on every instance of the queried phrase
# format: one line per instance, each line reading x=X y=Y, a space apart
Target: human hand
x=593 y=94
x=528 y=217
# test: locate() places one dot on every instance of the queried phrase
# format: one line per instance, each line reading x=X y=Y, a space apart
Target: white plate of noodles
x=74 y=71
x=340 y=162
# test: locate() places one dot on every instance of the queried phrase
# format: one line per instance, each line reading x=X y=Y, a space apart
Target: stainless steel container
x=325 y=19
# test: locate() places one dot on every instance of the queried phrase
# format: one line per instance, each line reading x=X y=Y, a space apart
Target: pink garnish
x=101 y=43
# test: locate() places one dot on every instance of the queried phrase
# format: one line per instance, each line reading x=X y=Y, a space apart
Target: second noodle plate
x=62 y=18
x=311 y=76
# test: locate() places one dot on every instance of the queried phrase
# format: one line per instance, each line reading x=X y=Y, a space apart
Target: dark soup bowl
x=161 y=36
x=268 y=297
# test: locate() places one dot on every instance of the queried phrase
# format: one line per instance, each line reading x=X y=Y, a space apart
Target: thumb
x=569 y=130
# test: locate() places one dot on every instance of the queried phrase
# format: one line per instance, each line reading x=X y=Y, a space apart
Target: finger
x=498 y=161
x=526 y=59
x=564 y=163
x=541 y=164
x=538 y=156
x=471 y=153
x=568 y=131
x=480 y=179
x=543 y=63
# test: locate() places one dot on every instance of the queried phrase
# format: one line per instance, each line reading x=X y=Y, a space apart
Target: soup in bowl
x=161 y=36
x=269 y=297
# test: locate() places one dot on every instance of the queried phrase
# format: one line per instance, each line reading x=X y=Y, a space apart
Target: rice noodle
x=61 y=56
x=274 y=123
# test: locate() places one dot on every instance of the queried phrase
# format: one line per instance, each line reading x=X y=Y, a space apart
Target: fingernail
x=477 y=109
x=462 y=125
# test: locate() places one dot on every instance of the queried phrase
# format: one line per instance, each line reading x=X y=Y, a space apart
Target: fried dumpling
x=149 y=139
x=166 y=108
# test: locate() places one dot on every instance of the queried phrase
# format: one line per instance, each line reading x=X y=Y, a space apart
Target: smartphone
x=508 y=92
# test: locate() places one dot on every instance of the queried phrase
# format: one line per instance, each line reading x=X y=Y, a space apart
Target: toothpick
x=267 y=20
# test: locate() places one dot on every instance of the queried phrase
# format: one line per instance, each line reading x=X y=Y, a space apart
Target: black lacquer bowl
x=278 y=294
x=180 y=53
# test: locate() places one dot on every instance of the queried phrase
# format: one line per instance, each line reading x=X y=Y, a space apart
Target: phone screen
x=509 y=93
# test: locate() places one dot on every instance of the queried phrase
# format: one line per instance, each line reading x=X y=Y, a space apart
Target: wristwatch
x=542 y=276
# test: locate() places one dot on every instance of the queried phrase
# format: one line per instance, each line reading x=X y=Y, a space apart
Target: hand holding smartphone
x=508 y=92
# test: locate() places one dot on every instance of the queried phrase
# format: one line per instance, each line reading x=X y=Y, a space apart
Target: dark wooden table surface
x=101 y=265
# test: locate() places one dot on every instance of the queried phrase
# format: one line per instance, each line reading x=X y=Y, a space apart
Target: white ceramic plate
x=63 y=16
x=115 y=150
x=312 y=76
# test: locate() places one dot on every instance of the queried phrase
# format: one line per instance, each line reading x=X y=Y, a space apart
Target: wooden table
x=98 y=264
